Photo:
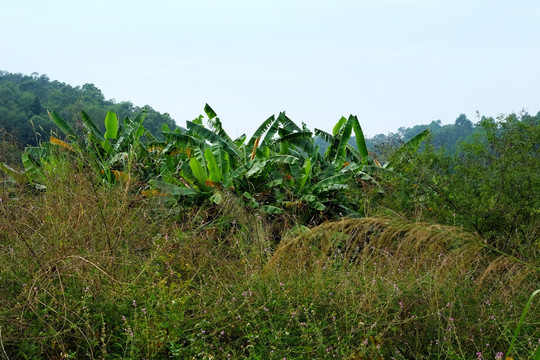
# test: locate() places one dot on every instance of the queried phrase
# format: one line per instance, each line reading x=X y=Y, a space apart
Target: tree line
x=25 y=100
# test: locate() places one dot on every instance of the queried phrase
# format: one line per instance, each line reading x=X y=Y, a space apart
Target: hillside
x=24 y=101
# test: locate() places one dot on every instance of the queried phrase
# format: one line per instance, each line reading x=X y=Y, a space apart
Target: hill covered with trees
x=25 y=99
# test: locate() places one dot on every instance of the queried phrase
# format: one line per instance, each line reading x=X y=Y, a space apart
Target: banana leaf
x=62 y=124
x=260 y=131
x=111 y=125
x=409 y=147
x=171 y=189
x=91 y=126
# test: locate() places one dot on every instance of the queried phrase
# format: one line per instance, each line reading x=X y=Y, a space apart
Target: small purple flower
x=143 y=310
x=134 y=303
x=123 y=318
x=222 y=332
x=202 y=331
x=499 y=355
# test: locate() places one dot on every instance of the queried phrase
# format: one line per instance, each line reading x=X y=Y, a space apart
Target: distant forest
x=25 y=99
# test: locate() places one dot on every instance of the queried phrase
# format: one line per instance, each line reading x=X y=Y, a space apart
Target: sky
x=394 y=63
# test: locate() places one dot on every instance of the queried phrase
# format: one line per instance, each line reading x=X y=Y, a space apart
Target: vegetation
x=24 y=101
x=117 y=244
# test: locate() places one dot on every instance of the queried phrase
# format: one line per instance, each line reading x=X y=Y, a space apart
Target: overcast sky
x=393 y=63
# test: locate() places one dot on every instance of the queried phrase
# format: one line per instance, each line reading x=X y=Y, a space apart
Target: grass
x=101 y=272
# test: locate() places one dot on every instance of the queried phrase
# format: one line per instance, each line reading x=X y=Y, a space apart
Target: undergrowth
x=89 y=271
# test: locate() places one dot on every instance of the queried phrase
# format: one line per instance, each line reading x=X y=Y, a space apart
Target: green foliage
x=140 y=248
x=490 y=186
x=25 y=100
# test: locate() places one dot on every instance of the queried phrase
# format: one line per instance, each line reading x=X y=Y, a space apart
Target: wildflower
x=123 y=318
x=479 y=354
x=144 y=311
x=265 y=308
x=499 y=355
x=134 y=303
x=222 y=332
x=35 y=288
x=492 y=317
x=451 y=319
x=202 y=331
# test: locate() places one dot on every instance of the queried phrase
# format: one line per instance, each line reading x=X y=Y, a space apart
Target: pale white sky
x=393 y=63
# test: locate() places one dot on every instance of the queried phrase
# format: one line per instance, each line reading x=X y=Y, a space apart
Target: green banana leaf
x=111 y=125
x=62 y=125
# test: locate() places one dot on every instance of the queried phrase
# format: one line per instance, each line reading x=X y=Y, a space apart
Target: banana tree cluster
x=111 y=153
x=278 y=169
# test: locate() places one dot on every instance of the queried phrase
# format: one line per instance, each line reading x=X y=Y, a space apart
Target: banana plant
x=110 y=153
x=339 y=151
